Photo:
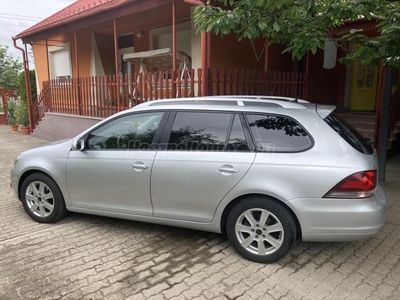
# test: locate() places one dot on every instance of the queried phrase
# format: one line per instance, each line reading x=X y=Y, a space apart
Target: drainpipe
x=204 y=55
x=77 y=73
x=117 y=87
x=47 y=59
x=27 y=83
x=174 y=95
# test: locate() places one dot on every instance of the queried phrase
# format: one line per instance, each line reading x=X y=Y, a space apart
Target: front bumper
x=332 y=220
x=14 y=182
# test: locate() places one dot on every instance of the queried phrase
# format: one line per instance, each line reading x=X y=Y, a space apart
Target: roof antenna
x=296 y=100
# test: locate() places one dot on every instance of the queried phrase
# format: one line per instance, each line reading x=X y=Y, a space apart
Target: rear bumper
x=332 y=220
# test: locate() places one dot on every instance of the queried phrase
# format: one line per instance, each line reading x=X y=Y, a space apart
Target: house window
x=60 y=61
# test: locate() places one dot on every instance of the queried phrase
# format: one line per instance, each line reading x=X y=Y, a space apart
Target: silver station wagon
x=264 y=170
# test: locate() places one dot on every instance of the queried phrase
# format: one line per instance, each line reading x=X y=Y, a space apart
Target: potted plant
x=23 y=118
x=11 y=115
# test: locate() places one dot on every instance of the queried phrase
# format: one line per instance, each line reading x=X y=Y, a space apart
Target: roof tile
x=77 y=10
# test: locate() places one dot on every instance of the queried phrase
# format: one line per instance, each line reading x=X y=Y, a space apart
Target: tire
x=249 y=234
x=42 y=199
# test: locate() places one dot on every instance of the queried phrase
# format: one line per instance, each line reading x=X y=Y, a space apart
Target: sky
x=18 y=15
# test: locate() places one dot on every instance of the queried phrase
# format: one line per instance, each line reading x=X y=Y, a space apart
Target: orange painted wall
x=40 y=56
x=84 y=43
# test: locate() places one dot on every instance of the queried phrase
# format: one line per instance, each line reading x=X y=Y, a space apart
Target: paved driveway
x=87 y=257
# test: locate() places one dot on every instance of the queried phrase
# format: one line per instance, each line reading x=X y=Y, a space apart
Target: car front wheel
x=261 y=229
x=42 y=198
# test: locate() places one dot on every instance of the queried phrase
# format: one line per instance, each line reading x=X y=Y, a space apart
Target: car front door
x=112 y=173
x=206 y=155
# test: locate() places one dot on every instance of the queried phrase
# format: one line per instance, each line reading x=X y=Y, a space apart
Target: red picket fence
x=103 y=96
x=5 y=96
x=42 y=104
x=310 y=87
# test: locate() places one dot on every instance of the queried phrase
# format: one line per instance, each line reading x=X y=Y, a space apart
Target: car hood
x=53 y=149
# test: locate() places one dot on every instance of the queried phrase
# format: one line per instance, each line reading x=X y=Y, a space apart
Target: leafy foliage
x=12 y=112
x=9 y=69
x=304 y=25
x=22 y=116
x=22 y=88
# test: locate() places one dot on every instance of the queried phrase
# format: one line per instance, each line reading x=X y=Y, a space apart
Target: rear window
x=278 y=134
x=349 y=134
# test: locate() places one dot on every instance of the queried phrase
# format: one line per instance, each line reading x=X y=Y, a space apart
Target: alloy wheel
x=40 y=199
x=259 y=231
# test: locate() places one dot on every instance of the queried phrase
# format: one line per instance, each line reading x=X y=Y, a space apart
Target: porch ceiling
x=148 y=19
x=133 y=15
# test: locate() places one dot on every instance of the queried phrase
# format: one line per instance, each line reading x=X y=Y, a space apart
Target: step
x=367 y=133
x=362 y=125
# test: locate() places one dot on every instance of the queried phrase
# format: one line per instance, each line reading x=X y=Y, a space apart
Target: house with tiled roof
x=96 y=57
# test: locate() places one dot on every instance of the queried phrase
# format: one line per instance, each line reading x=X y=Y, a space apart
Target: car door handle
x=139 y=166
x=228 y=169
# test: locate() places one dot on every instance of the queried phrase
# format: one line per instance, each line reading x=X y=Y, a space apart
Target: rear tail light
x=356 y=186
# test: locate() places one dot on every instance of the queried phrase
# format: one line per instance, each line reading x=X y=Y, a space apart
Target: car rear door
x=206 y=155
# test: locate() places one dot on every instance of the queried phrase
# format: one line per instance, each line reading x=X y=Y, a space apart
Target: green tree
x=22 y=88
x=9 y=69
x=304 y=25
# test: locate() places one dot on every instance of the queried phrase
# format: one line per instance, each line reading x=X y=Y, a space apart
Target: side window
x=126 y=133
x=237 y=140
x=199 y=131
x=278 y=134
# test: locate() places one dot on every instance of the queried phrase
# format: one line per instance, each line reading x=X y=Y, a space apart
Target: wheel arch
x=231 y=204
x=27 y=173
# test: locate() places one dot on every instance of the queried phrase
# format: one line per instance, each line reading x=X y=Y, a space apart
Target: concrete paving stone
x=156 y=289
x=244 y=297
x=258 y=291
x=236 y=290
x=322 y=290
x=340 y=293
x=178 y=277
x=195 y=291
x=179 y=297
x=175 y=290
x=385 y=290
x=215 y=291
x=90 y=257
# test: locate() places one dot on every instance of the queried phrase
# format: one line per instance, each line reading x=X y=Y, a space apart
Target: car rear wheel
x=42 y=199
x=261 y=229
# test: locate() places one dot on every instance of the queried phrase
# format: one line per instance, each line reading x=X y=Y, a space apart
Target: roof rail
x=251 y=97
x=259 y=101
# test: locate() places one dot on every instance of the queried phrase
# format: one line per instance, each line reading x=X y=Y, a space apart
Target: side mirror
x=78 y=144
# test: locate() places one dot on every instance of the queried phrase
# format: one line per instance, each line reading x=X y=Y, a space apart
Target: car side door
x=206 y=155
x=112 y=172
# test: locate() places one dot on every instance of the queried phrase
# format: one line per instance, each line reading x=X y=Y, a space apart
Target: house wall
x=228 y=53
x=105 y=45
x=278 y=61
x=40 y=55
x=340 y=70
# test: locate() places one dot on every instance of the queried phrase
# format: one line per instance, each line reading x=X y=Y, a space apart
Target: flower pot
x=14 y=128
x=24 y=129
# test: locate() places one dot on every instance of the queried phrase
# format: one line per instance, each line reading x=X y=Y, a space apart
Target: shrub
x=22 y=115
x=11 y=112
